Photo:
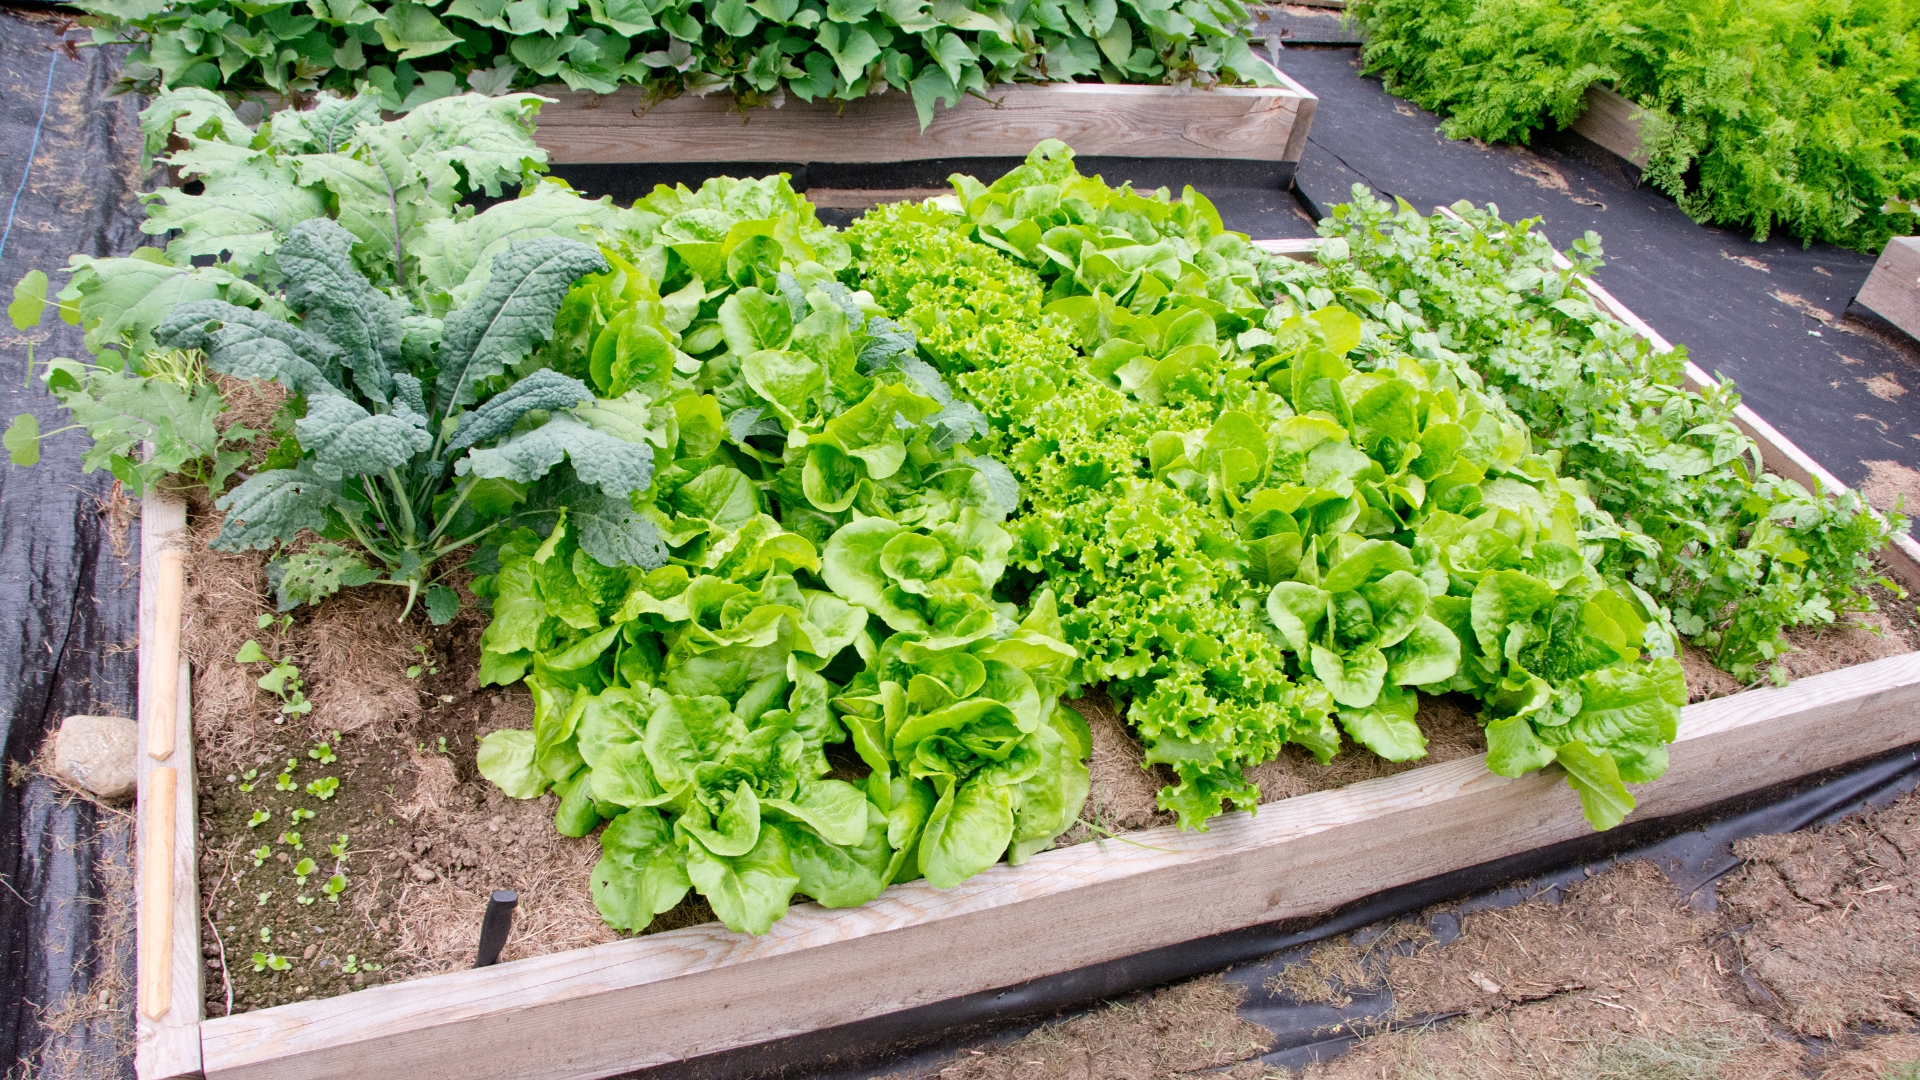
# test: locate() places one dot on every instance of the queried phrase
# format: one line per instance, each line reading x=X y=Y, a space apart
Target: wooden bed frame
x=671 y=996
x=1230 y=122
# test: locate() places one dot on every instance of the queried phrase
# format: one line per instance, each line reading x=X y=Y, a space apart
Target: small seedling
x=323 y=753
x=303 y=900
x=264 y=960
x=259 y=818
x=301 y=813
x=292 y=840
x=249 y=776
x=351 y=965
x=282 y=680
x=301 y=869
x=338 y=849
x=265 y=621
x=335 y=885
x=262 y=853
x=324 y=787
x=426 y=666
x=261 y=900
x=266 y=933
x=285 y=782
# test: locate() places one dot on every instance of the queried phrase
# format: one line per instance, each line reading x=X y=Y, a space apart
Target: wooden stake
x=164 y=666
x=156 y=895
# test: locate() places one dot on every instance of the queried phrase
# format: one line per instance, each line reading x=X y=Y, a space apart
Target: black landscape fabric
x=68 y=577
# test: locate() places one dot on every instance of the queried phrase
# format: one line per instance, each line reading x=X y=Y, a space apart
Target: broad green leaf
x=1354 y=679
x=1387 y=727
x=23 y=440
x=1513 y=749
x=967 y=832
x=411 y=31
x=749 y=892
x=1603 y=798
x=29 y=300
x=506 y=760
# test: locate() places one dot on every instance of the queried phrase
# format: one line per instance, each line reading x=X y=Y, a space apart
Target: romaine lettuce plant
x=835 y=550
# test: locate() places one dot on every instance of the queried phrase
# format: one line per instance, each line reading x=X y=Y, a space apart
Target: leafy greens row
x=1796 y=115
x=406 y=53
x=836 y=551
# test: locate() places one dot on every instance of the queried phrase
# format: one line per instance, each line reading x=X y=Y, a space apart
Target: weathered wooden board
x=690 y=992
x=1613 y=122
x=1261 y=124
x=1892 y=290
x=168 y=947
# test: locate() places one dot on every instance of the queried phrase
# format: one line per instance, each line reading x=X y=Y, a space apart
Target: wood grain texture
x=1613 y=122
x=1261 y=124
x=171 y=587
x=1892 y=290
x=156 y=890
x=167 y=1045
x=689 y=992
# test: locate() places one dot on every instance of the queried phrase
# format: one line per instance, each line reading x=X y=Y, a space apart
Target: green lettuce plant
x=1345 y=494
x=1736 y=554
x=835 y=547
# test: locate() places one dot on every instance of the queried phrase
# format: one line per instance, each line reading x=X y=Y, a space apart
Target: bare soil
x=1810 y=967
x=398 y=706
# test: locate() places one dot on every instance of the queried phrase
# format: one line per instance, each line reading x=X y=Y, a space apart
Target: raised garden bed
x=701 y=990
x=1228 y=122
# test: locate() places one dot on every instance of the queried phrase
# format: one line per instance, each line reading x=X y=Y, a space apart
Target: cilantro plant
x=407 y=53
x=1735 y=553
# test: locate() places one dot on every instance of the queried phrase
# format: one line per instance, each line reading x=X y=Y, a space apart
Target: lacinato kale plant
x=329 y=252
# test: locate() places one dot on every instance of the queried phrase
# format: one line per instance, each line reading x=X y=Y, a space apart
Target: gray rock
x=97 y=754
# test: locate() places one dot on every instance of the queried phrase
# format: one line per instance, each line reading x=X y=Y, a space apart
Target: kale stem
x=413 y=593
x=379 y=504
x=459 y=498
x=405 y=504
x=464 y=541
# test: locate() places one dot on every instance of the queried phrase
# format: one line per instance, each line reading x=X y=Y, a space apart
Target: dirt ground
x=1809 y=967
